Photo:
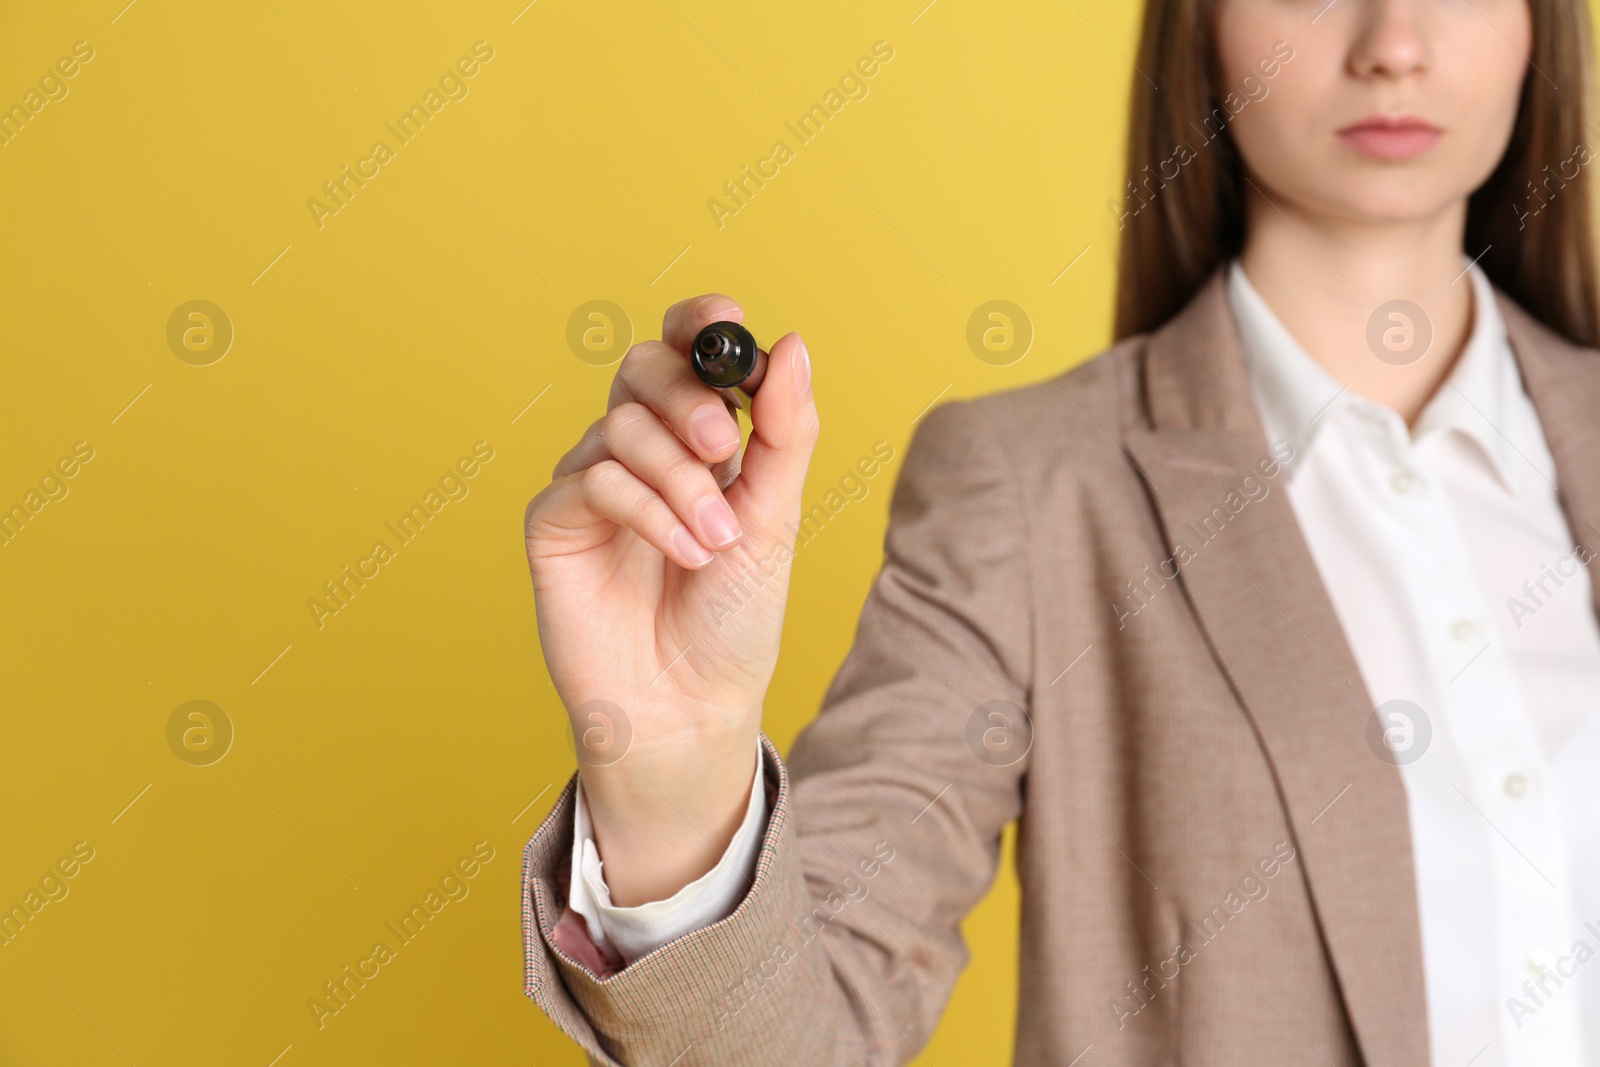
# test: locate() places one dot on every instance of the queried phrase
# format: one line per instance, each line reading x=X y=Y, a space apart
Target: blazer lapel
x=1563 y=381
x=1261 y=603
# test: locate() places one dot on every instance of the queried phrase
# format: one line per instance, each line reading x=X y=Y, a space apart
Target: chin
x=1386 y=194
x=1394 y=202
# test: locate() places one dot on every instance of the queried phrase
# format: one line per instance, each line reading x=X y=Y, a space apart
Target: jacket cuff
x=728 y=986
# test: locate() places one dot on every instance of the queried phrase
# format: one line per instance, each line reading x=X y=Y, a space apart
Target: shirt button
x=1463 y=629
x=1404 y=482
x=1540 y=961
x=1516 y=785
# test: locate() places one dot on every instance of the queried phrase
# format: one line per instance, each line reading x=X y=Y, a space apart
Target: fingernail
x=716 y=518
x=691 y=549
x=711 y=425
x=802 y=367
x=716 y=307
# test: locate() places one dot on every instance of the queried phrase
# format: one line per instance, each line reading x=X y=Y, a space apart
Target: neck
x=1324 y=277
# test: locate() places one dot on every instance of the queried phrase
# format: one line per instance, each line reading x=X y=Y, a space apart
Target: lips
x=1391 y=136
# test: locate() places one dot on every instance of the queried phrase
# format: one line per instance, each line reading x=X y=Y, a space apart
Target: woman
x=1273 y=623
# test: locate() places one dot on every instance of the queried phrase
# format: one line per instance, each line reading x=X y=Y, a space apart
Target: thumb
x=772 y=472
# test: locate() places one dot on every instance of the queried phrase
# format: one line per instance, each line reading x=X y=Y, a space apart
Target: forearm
x=660 y=830
x=626 y=933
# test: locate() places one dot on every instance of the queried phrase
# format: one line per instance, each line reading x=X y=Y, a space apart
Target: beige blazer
x=1216 y=867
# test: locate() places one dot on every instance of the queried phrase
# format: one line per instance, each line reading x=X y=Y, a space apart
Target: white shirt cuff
x=637 y=931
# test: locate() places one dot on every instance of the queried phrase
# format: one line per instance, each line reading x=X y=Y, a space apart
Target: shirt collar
x=1479 y=398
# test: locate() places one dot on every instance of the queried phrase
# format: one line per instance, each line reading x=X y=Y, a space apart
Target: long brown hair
x=1543 y=258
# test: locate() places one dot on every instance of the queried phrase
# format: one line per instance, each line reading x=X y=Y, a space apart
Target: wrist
x=658 y=830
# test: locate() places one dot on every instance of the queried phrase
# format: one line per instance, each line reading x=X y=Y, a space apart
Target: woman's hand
x=660 y=572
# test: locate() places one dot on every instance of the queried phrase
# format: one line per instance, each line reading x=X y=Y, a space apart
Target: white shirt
x=1425 y=542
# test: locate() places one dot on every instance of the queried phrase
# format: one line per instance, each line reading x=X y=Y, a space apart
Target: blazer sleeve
x=885 y=823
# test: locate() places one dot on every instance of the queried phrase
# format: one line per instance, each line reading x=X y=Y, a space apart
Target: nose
x=1392 y=39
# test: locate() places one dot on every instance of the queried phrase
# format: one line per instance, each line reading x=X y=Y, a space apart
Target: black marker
x=724 y=355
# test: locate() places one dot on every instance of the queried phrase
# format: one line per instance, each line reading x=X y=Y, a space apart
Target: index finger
x=688 y=317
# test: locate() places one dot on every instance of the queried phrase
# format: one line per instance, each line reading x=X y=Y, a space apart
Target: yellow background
x=372 y=352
